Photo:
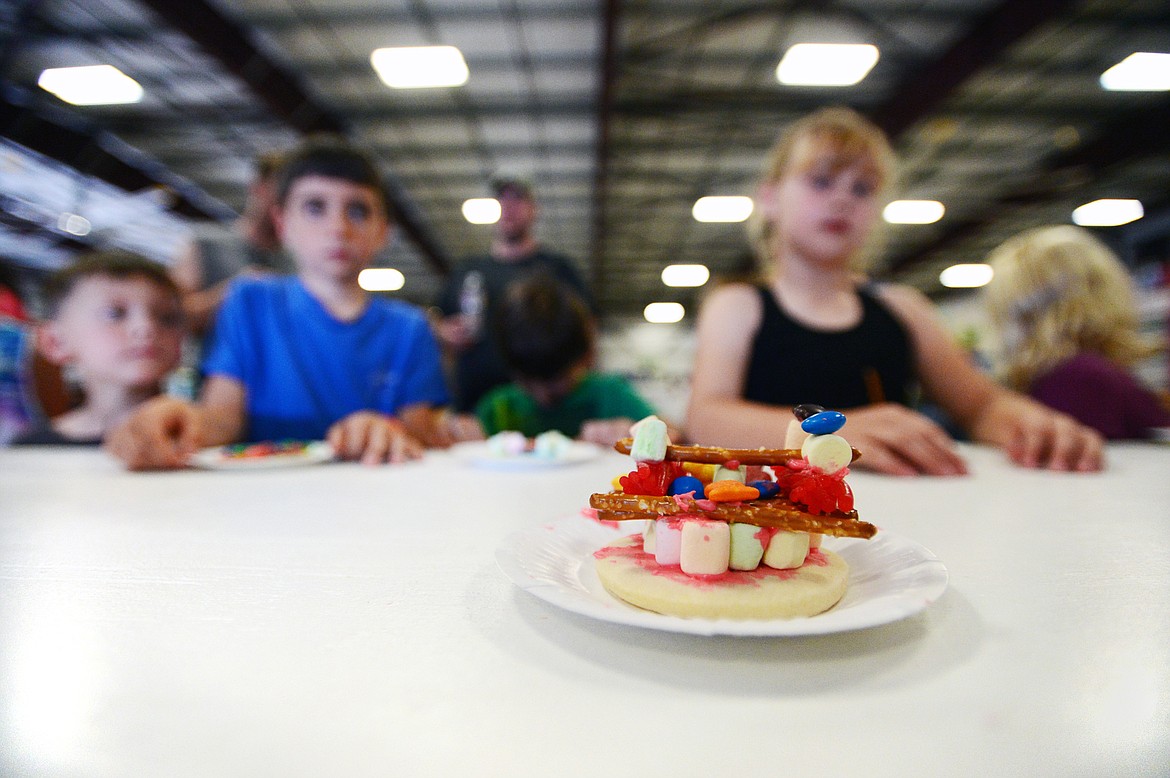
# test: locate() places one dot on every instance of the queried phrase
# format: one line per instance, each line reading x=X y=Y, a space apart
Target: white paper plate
x=216 y=458
x=890 y=578
x=478 y=454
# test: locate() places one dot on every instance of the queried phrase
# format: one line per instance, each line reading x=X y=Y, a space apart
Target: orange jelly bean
x=704 y=472
x=730 y=491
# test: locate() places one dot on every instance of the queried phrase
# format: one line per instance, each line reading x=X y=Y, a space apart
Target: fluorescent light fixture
x=420 y=67
x=913 y=212
x=481 y=210
x=722 y=209
x=663 y=313
x=73 y=224
x=91 y=85
x=381 y=279
x=966 y=276
x=1142 y=71
x=826 y=64
x=1108 y=213
x=685 y=275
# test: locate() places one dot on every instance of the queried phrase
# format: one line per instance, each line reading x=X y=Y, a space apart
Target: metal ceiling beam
x=984 y=42
x=1139 y=133
x=90 y=150
x=607 y=75
x=284 y=94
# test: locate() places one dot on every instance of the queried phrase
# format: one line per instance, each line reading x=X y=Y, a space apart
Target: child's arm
x=163 y=432
x=893 y=438
x=373 y=438
x=1032 y=434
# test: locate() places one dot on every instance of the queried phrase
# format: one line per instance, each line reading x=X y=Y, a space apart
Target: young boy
x=546 y=336
x=115 y=320
x=313 y=355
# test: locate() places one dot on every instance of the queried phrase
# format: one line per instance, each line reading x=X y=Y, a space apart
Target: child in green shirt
x=546 y=335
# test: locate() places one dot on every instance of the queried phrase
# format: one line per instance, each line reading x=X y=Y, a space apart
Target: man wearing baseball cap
x=468 y=300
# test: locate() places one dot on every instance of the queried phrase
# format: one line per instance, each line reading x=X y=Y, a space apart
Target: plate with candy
x=263 y=455
x=513 y=451
x=891 y=578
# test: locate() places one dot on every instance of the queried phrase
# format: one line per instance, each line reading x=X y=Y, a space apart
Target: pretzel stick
x=714 y=455
x=620 y=507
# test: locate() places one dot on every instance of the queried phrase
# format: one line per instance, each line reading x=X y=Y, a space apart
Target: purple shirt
x=1101 y=394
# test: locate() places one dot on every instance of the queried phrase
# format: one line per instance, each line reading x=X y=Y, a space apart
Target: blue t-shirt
x=303 y=369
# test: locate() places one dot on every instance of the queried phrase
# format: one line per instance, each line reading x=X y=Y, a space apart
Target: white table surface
x=339 y=620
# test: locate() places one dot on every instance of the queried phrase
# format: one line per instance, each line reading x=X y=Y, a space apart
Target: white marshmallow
x=746 y=547
x=724 y=474
x=794 y=436
x=705 y=547
x=786 y=550
x=507 y=443
x=650 y=440
x=648 y=537
x=828 y=452
x=667 y=541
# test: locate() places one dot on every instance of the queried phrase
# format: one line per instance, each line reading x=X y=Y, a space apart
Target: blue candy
x=766 y=489
x=823 y=423
x=684 y=484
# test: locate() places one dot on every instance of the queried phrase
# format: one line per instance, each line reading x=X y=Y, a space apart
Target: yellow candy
x=730 y=491
x=705 y=473
x=616 y=483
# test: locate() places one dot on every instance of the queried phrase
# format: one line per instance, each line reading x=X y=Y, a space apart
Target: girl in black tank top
x=792 y=364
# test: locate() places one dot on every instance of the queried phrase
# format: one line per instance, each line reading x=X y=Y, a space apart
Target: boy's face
x=547 y=392
x=332 y=227
x=125 y=332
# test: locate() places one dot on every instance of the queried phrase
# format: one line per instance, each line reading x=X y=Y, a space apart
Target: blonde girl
x=815 y=330
x=1067 y=317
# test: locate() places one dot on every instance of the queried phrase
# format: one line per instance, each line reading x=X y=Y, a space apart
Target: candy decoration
x=684 y=484
x=767 y=489
x=805 y=410
x=730 y=491
x=652 y=478
x=823 y=423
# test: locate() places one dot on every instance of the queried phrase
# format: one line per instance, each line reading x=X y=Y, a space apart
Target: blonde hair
x=1056 y=292
x=842 y=135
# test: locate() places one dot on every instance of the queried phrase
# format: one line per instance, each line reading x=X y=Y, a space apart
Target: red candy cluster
x=651 y=478
x=818 y=492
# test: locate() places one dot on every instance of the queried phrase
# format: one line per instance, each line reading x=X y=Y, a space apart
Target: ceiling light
x=966 y=276
x=913 y=212
x=91 y=85
x=74 y=224
x=685 y=275
x=420 y=67
x=481 y=210
x=381 y=279
x=663 y=313
x=826 y=64
x=722 y=209
x=1142 y=71
x=1108 y=213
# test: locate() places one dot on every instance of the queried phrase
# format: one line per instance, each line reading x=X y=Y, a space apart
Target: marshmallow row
x=709 y=547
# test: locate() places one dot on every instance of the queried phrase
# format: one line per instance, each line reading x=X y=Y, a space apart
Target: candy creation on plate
x=263 y=454
x=511 y=450
x=546 y=445
x=732 y=533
